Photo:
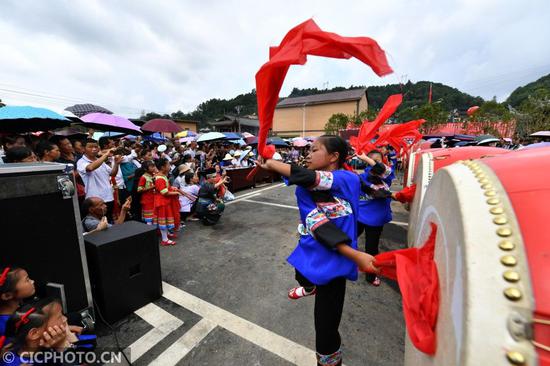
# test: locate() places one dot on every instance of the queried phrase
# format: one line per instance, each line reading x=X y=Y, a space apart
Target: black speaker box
x=42 y=232
x=124 y=266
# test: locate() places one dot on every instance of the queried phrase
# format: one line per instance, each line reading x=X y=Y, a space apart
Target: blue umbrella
x=16 y=119
x=155 y=137
x=232 y=135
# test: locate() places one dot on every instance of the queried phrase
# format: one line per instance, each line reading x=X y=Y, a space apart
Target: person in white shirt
x=96 y=175
x=191 y=150
x=235 y=161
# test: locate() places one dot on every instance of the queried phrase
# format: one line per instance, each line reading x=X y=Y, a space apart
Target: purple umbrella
x=161 y=125
x=110 y=122
x=538 y=144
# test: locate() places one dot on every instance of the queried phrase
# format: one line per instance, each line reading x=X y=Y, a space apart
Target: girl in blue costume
x=15 y=286
x=326 y=255
x=374 y=203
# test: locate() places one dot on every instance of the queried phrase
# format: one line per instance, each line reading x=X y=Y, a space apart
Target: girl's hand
x=262 y=163
x=53 y=337
x=365 y=262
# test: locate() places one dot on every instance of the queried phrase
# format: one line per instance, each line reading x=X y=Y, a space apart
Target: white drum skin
x=474 y=315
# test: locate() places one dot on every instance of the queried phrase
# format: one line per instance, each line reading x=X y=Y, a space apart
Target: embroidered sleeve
x=301 y=176
x=324 y=230
x=330 y=235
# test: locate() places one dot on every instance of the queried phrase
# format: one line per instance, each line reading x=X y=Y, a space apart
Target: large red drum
x=430 y=161
x=412 y=165
x=493 y=259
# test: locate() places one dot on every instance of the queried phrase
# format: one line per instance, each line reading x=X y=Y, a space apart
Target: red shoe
x=299 y=292
x=168 y=242
x=376 y=282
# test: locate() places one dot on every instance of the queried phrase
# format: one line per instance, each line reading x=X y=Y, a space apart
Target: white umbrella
x=541 y=134
x=209 y=136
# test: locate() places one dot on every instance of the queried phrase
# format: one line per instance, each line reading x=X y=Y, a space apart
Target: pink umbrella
x=247 y=135
x=188 y=139
x=161 y=125
x=110 y=122
x=299 y=142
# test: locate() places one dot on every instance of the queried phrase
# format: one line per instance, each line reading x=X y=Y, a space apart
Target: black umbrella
x=84 y=109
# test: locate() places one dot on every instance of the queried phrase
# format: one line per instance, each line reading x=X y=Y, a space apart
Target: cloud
x=134 y=56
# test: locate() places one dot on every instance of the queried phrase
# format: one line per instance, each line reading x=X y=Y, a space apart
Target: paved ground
x=225 y=298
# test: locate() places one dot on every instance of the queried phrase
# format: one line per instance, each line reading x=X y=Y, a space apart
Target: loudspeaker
x=41 y=230
x=124 y=264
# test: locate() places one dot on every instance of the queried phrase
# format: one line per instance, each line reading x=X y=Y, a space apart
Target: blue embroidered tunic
x=327 y=202
x=375 y=211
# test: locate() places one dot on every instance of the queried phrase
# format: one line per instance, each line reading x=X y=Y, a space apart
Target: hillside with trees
x=448 y=104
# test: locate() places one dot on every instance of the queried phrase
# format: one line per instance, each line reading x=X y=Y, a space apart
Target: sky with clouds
x=135 y=55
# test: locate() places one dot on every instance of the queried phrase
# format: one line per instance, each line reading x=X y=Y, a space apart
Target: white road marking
x=282 y=347
x=400 y=223
x=163 y=322
x=180 y=348
x=271 y=204
x=256 y=191
x=242 y=199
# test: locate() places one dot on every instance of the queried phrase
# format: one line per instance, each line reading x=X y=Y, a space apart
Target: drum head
x=474 y=312
x=430 y=162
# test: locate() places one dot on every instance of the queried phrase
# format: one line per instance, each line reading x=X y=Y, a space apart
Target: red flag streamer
x=397 y=135
x=302 y=40
x=416 y=273
x=362 y=143
x=406 y=195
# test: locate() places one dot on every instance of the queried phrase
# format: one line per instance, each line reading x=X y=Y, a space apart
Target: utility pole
x=304 y=120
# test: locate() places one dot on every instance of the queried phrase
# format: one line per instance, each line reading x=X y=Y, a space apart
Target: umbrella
x=247 y=134
x=209 y=136
x=83 y=109
x=186 y=133
x=539 y=144
x=187 y=139
x=239 y=142
x=98 y=135
x=541 y=134
x=232 y=135
x=155 y=137
x=485 y=139
x=71 y=133
x=251 y=139
x=277 y=141
x=161 y=125
x=27 y=119
x=110 y=122
x=299 y=142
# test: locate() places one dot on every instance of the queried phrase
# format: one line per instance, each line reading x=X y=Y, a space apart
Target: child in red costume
x=166 y=203
x=146 y=187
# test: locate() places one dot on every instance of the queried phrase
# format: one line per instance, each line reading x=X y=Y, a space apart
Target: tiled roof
x=341 y=96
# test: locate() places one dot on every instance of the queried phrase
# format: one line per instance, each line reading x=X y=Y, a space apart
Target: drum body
x=431 y=161
x=493 y=258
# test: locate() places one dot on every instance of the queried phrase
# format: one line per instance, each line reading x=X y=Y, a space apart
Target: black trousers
x=372 y=240
x=329 y=304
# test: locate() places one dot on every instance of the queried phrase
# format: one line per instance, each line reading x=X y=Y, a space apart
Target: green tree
x=533 y=114
x=433 y=113
x=335 y=123
x=492 y=111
